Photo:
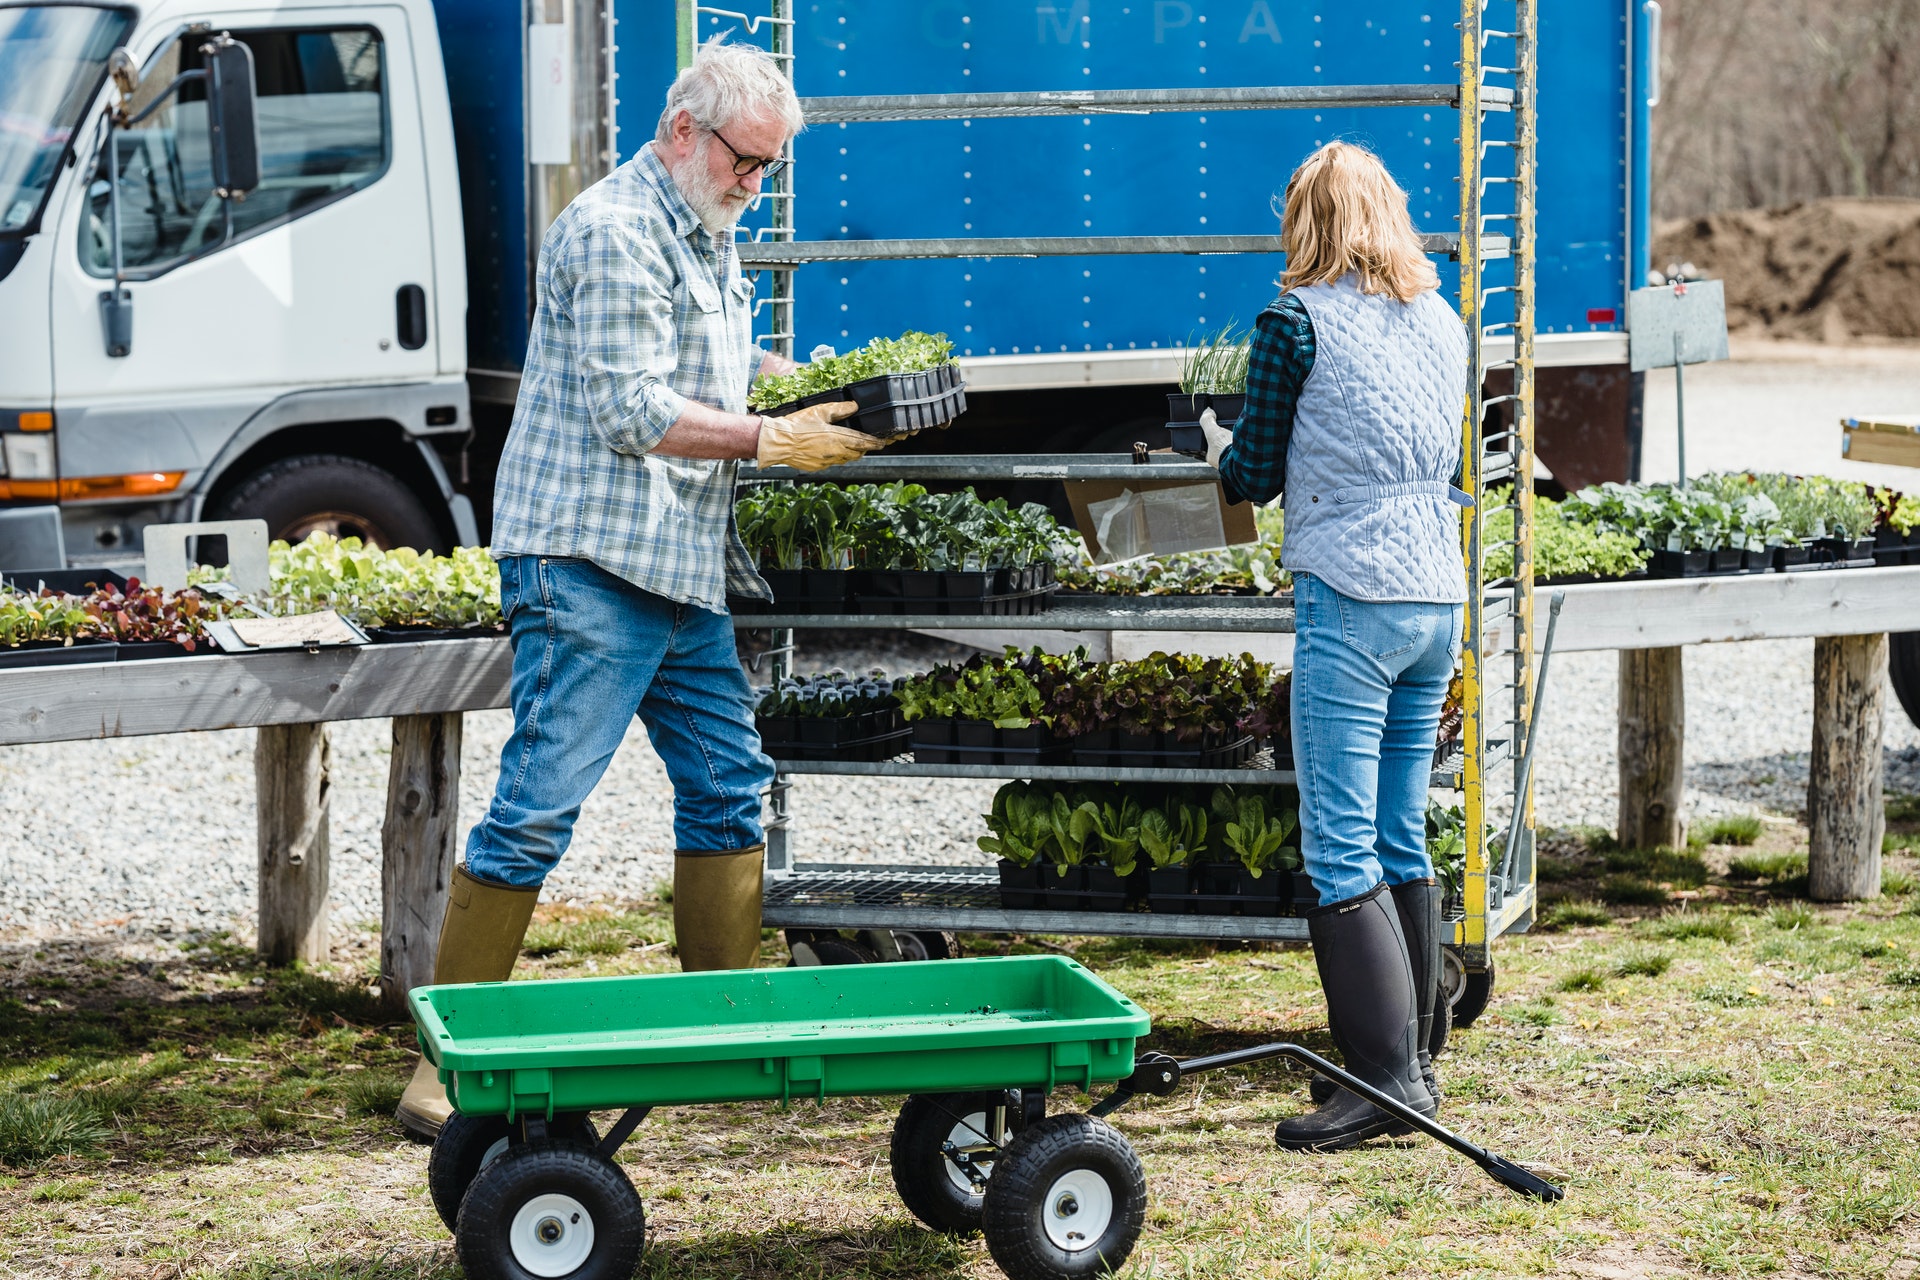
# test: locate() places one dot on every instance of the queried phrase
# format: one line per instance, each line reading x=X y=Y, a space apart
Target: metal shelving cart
x=1496 y=300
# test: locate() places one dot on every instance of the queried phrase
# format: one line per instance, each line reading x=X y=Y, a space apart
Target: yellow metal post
x=1473 y=929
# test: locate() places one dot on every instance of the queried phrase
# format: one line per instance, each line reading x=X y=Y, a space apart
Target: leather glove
x=1219 y=439
x=810 y=439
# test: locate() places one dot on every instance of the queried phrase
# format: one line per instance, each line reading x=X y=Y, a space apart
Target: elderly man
x=613 y=525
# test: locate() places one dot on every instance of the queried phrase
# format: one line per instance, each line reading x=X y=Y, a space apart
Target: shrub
x=1632 y=891
x=34 y=1129
x=1736 y=828
x=1572 y=915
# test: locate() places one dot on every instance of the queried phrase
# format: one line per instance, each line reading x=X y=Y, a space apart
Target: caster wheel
x=1467 y=992
x=830 y=948
x=925 y=944
x=933 y=1186
x=466 y=1145
x=544 y=1211
x=1068 y=1198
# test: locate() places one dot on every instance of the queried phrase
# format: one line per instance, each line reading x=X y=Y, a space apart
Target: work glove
x=812 y=438
x=1219 y=439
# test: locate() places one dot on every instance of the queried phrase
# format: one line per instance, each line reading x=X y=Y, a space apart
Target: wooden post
x=417 y=849
x=1846 y=817
x=1652 y=740
x=291 y=767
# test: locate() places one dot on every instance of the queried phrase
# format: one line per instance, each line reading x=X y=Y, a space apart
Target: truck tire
x=330 y=493
x=1903 y=665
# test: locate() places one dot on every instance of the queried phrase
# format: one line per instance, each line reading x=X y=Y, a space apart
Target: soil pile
x=1826 y=270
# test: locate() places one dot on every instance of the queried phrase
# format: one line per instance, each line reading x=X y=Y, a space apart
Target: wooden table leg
x=1846 y=814
x=1652 y=741
x=419 y=842
x=291 y=764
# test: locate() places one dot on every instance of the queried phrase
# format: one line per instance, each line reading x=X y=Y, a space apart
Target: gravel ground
x=161 y=839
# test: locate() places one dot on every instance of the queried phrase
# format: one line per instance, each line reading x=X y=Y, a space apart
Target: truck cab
x=297 y=351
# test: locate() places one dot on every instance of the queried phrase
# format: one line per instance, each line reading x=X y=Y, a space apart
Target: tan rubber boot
x=716 y=907
x=480 y=939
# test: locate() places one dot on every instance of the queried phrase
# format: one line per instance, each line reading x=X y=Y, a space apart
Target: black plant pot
x=1106 y=889
x=1679 y=564
x=1726 y=560
x=789 y=586
x=1062 y=888
x=920 y=584
x=1020 y=886
x=1184 y=408
x=820 y=730
x=1170 y=890
x=1265 y=894
x=1786 y=558
x=967 y=584
x=973 y=733
x=1227 y=409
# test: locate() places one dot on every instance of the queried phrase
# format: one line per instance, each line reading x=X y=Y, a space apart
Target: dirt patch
x=1824 y=271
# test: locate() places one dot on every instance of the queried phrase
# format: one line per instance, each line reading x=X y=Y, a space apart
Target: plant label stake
x=1674 y=323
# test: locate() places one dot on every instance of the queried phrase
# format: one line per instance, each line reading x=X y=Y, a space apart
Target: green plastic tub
x=935 y=1026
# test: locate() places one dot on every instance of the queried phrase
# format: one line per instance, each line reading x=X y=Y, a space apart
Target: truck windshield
x=52 y=58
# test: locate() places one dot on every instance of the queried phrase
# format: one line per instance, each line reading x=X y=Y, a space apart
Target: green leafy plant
x=1247 y=570
x=891 y=527
x=376 y=588
x=49 y=616
x=1174 y=834
x=1021 y=823
x=911 y=352
x=142 y=613
x=1216 y=363
x=1255 y=835
x=1560 y=546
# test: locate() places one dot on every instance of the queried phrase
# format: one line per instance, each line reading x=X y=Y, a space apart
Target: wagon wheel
x=1468 y=992
x=545 y=1211
x=817 y=948
x=926 y=944
x=1068 y=1198
x=465 y=1145
x=936 y=1140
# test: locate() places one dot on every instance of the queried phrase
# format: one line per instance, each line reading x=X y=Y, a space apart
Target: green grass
x=1896 y=883
x=1642 y=964
x=1773 y=868
x=1791 y=918
x=35 y=1128
x=1582 y=980
x=1661 y=865
x=1684 y=926
x=1738 y=828
x=1572 y=915
x=1632 y=891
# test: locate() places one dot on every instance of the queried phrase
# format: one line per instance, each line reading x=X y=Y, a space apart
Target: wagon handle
x=1160 y=1075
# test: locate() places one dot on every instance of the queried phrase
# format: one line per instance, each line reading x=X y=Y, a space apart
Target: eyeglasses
x=744 y=165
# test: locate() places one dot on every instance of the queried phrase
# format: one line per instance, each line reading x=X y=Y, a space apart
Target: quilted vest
x=1371 y=508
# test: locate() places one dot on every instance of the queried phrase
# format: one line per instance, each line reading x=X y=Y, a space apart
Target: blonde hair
x=1345 y=213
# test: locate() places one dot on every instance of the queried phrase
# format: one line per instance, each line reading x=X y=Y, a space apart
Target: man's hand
x=1219 y=439
x=810 y=439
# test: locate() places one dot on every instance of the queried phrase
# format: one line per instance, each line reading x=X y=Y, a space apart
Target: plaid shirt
x=1255 y=465
x=639 y=311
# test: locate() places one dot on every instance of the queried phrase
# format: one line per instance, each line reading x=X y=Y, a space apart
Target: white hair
x=728 y=82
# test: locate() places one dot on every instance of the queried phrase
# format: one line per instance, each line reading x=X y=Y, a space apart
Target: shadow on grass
x=894 y=1248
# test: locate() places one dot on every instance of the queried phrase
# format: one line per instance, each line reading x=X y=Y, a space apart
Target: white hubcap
x=970 y=1135
x=552 y=1235
x=1078 y=1210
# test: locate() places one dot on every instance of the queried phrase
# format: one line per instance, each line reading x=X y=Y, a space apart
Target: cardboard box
x=1157 y=517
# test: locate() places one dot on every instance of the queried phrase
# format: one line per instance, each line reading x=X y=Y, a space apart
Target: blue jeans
x=590 y=651
x=1368 y=683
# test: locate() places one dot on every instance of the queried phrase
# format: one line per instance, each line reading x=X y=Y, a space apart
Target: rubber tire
x=1474 y=995
x=481 y=1239
x=1442 y=1028
x=831 y=948
x=1903 y=667
x=288 y=491
x=920 y=1169
x=938 y=945
x=457 y=1156
x=1026 y=1171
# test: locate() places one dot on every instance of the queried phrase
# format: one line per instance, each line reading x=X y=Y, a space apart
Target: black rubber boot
x=1418 y=904
x=1362 y=958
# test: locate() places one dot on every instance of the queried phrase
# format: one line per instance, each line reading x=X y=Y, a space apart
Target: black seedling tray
x=899 y=592
x=895 y=404
x=949 y=741
x=1183 y=418
x=1891 y=547
x=871 y=735
x=73 y=582
x=1110 y=748
x=405 y=635
x=1723 y=563
x=141 y=650
x=51 y=653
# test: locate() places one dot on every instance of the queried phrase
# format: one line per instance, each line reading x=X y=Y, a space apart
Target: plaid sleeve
x=619 y=290
x=1255 y=464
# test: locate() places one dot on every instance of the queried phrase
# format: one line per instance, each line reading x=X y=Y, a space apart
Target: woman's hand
x=1219 y=439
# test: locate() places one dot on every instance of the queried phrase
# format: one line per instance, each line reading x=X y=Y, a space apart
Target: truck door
x=308 y=284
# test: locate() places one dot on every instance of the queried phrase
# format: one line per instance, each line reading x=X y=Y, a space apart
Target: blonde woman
x=1353 y=411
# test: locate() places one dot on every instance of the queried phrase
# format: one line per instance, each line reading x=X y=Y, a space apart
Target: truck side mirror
x=232 y=136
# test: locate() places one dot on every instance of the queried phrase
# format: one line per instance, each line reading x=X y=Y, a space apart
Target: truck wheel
x=541 y=1212
x=1068 y=1198
x=329 y=493
x=465 y=1146
x=1465 y=990
x=932 y=1186
x=1903 y=666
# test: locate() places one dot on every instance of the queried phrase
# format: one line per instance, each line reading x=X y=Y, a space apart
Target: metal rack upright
x=1498 y=446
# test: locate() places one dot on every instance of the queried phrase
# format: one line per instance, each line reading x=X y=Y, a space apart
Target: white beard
x=708 y=198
